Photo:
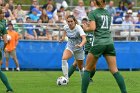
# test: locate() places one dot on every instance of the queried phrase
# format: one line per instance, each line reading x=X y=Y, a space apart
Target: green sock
x=120 y=81
x=92 y=73
x=71 y=70
x=85 y=81
x=5 y=81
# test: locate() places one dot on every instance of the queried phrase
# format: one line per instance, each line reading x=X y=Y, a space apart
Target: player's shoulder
x=66 y=27
x=78 y=26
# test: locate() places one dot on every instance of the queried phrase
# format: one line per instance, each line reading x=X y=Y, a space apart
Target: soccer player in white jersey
x=76 y=41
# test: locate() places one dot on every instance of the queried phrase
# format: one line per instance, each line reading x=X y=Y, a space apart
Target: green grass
x=45 y=82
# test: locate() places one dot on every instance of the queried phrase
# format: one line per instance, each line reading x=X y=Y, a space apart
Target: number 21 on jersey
x=104 y=22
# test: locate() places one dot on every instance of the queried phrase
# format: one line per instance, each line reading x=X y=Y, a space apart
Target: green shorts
x=98 y=50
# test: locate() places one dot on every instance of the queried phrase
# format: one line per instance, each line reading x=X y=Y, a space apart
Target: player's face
x=71 y=23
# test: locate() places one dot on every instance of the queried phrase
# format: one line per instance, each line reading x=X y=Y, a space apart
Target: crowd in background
x=45 y=22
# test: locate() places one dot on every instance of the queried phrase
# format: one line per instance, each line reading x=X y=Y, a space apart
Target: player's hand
x=78 y=46
x=85 y=26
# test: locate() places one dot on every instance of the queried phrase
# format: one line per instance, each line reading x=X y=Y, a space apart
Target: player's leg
x=72 y=68
x=79 y=57
x=90 y=62
x=92 y=57
x=14 y=56
x=111 y=60
x=7 y=56
x=92 y=73
x=110 y=56
x=80 y=67
x=66 y=55
x=4 y=78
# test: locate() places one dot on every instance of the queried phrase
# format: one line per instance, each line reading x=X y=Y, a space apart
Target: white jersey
x=74 y=37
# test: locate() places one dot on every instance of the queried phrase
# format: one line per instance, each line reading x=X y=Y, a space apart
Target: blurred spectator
x=61 y=18
x=58 y=3
x=49 y=11
x=10 y=49
x=79 y=11
x=52 y=30
x=138 y=15
x=39 y=10
x=92 y=6
x=137 y=27
x=44 y=16
x=111 y=9
x=2 y=2
x=8 y=14
x=18 y=12
x=30 y=33
x=127 y=25
x=49 y=2
x=62 y=12
x=130 y=13
x=33 y=15
x=11 y=5
x=122 y=8
x=130 y=3
x=20 y=28
x=117 y=19
x=41 y=32
x=34 y=3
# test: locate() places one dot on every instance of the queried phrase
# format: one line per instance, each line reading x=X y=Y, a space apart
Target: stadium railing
x=119 y=32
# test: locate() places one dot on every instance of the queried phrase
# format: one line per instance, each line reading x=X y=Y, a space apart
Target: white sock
x=65 y=68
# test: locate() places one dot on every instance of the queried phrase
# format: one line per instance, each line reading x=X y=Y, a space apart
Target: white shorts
x=78 y=55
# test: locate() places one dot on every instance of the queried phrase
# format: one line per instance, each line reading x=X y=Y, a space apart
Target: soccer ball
x=62 y=81
x=8 y=37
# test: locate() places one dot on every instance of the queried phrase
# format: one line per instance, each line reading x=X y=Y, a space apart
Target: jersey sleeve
x=64 y=27
x=91 y=16
x=81 y=31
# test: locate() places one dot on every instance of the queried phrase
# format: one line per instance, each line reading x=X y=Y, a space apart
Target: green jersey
x=102 y=34
x=89 y=43
x=3 y=27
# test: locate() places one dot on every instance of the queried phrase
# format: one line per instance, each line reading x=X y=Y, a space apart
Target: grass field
x=45 y=82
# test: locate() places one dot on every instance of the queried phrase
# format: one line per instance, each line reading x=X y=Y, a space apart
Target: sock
x=65 y=68
x=71 y=70
x=85 y=81
x=92 y=73
x=5 y=81
x=120 y=81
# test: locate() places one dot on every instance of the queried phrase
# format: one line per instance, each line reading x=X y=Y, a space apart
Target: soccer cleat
x=9 y=91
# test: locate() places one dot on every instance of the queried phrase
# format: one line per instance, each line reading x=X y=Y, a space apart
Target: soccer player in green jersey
x=100 y=21
x=3 y=33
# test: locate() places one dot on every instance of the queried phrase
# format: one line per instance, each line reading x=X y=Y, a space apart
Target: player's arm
x=83 y=36
x=90 y=27
x=84 y=40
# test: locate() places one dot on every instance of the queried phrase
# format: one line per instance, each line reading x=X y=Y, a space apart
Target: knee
x=113 y=70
